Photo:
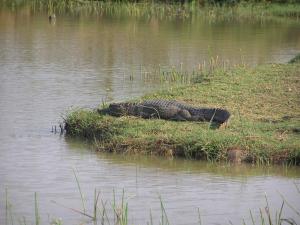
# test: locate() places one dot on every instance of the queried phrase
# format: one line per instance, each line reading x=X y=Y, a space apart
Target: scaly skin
x=168 y=110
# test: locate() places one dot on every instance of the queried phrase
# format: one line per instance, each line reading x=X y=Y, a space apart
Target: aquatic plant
x=116 y=212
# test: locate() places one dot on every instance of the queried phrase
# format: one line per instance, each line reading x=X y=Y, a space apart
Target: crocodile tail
x=216 y=115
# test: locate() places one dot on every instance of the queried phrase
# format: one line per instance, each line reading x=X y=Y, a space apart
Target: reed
x=6 y=206
x=36 y=210
x=8 y=210
x=160 y=9
x=266 y=218
x=164 y=217
x=119 y=213
x=79 y=189
x=199 y=217
x=177 y=75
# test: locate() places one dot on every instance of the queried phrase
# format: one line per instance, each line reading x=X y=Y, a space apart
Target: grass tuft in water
x=117 y=213
x=267 y=219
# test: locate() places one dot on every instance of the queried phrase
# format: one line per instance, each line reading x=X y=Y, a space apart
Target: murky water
x=45 y=69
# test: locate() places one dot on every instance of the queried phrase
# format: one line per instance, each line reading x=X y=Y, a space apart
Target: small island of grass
x=264 y=128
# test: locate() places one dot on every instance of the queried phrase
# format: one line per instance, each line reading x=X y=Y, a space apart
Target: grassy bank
x=161 y=9
x=264 y=127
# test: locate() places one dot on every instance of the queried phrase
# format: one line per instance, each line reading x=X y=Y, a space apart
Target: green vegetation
x=212 y=9
x=117 y=212
x=264 y=127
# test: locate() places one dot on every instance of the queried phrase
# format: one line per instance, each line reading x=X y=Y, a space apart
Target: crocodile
x=168 y=110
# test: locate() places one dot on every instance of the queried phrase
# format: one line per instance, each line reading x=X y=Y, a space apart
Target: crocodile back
x=197 y=114
x=167 y=109
x=164 y=109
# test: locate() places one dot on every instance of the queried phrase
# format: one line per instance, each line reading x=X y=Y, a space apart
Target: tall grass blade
x=289 y=205
x=199 y=216
x=79 y=188
x=298 y=189
x=290 y=221
x=114 y=205
x=6 y=206
x=36 y=211
x=267 y=209
x=24 y=220
x=163 y=213
x=96 y=198
x=8 y=209
x=262 y=219
x=74 y=210
x=252 y=219
x=280 y=213
x=151 y=218
x=104 y=213
x=123 y=210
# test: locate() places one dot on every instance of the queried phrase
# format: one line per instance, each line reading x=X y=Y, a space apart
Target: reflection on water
x=47 y=68
x=220 y=191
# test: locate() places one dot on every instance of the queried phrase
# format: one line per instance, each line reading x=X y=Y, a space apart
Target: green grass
x=264 y=103
x=159 y=9
x=104 y=212
x=117 y=212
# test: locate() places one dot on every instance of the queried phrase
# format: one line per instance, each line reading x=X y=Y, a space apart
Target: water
x=46 y=69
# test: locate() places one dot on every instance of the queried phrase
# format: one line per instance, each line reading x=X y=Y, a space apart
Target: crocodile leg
x=182 y=115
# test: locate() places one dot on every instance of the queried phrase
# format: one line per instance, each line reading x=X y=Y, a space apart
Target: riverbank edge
x=264 y=128
x=163 y=10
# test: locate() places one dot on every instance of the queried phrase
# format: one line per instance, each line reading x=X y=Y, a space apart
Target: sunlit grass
x=264 y=125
